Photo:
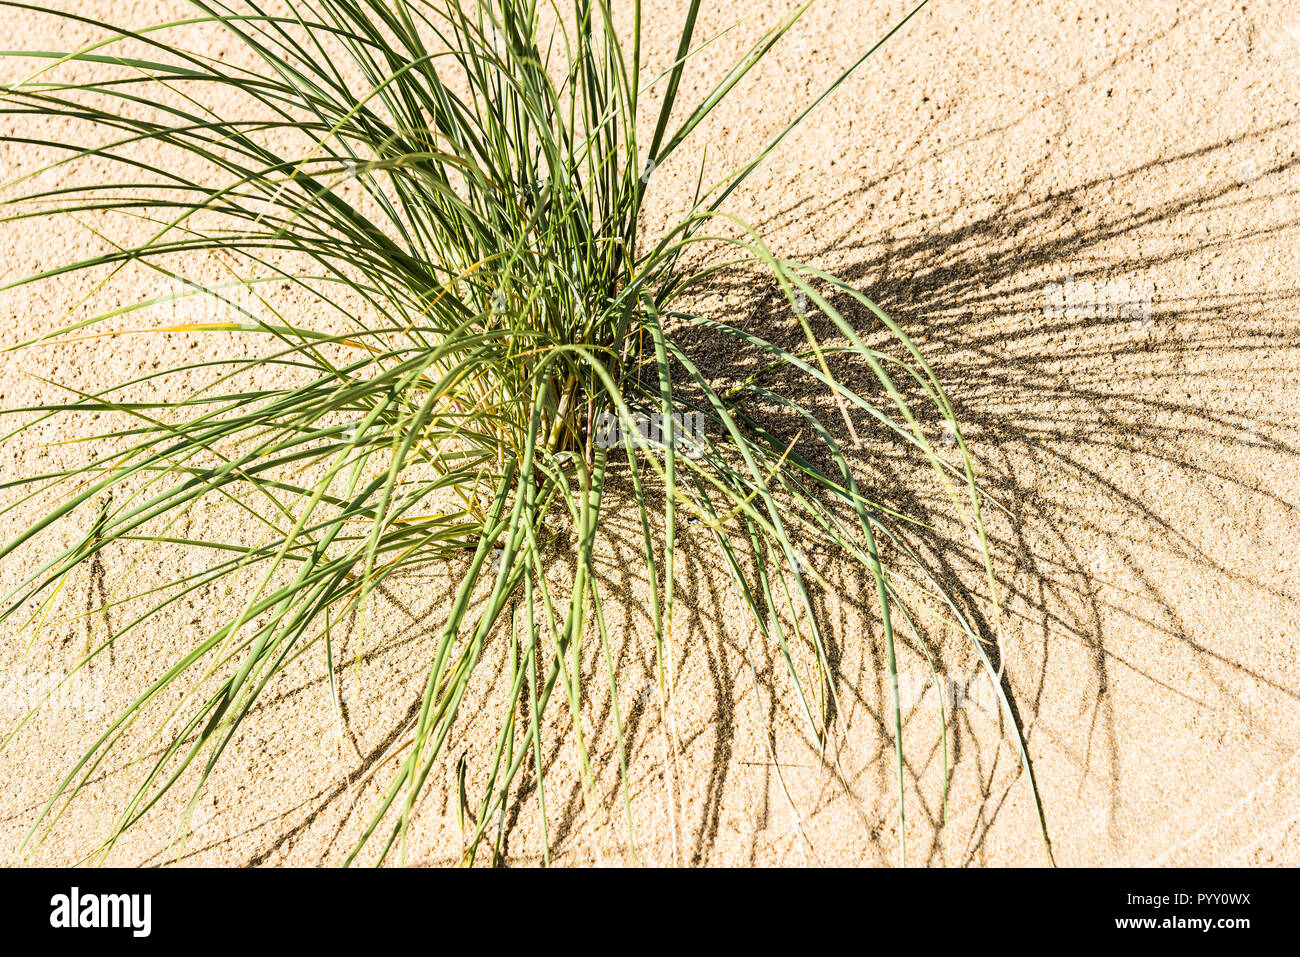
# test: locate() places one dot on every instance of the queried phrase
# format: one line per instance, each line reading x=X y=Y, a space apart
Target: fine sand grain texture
x=1086 y=215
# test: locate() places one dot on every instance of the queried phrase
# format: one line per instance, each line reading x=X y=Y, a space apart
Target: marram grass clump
x=460 y=189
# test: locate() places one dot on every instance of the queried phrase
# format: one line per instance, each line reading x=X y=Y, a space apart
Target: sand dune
x=1087 y=216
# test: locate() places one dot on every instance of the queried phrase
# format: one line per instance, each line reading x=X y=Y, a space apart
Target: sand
x=991 y=161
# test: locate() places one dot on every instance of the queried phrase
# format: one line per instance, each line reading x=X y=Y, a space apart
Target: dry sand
x=1148 y=466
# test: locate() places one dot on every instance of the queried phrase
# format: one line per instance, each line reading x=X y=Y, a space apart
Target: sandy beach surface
x=1008 y=178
